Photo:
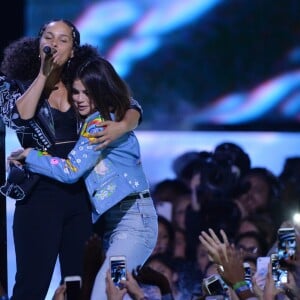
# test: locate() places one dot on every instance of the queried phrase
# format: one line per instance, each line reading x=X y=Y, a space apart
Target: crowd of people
x=75 y=117
x=220 y=191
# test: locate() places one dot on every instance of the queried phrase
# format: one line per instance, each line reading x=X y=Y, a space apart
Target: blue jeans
x=131 y=230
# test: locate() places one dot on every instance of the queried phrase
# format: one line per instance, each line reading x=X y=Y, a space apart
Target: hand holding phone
x=73 y=287
x=286 y=243
x=215 y=285
x=118 y=269
x=279 y=274
x=262 y=265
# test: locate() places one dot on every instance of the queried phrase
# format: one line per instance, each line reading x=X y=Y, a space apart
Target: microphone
x=48 y=50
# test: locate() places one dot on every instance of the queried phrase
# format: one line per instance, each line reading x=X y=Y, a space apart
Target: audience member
x=179 y=208
x=251 y=244
x=179 y=246
x=165 y=238
x=166 y=194
x=290 y=182
x=202 y=258
x=186 y=165
x=261 y=224
x=164 y=265
x=232 y=152
x=261 y=194
x=151 y=277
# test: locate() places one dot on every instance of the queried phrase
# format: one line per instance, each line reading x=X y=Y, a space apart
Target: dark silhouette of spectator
x=262 y=192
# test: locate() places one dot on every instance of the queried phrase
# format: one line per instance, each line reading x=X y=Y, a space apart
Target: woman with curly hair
x=55 y=219
x=114 y=176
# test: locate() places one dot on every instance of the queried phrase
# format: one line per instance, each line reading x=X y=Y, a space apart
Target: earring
x=68 y=62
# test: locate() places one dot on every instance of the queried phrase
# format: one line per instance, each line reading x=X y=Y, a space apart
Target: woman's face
x=81 y=99
x=249 y=246
x=179 y=244
x=257 y=197
x=163 y=240
x=179 y=210
x=58 y=36
x=202 y=257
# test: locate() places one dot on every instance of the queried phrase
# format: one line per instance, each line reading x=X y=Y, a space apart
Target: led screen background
x=196 y=64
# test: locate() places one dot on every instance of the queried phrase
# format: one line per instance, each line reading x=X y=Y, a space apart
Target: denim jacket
x=110 y=174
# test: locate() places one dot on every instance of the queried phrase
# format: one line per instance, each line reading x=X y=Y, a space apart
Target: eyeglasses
x=250 y=250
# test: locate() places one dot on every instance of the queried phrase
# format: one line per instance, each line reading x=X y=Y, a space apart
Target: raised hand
x=213 y=244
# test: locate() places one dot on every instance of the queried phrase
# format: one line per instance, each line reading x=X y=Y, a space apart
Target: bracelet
x=242 y=289
x=239 y=284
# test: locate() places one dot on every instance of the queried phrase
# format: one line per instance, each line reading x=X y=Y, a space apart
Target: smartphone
x=262 y=265
x=279 y=274
x=118 y=269
x=73 y=284
x=215 y=285
x=286 y=243
x=248 y=274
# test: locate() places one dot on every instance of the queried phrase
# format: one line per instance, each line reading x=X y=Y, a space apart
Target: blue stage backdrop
x=196 y=64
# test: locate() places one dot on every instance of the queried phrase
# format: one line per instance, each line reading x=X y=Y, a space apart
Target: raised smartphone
x=73 y=284
x=248 y=274
x=279 y=274
x=215 y=285
x=262 y=265
x=286 y=243
x=118 y=269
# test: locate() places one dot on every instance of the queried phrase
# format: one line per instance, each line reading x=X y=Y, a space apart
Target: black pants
x=54 y=221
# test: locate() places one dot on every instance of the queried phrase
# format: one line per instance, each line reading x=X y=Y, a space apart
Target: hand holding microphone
x=48 y=62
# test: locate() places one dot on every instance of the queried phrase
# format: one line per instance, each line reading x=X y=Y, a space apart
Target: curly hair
x=21 y=59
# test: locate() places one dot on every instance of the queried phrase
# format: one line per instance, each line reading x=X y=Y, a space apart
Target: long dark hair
x=105 y=87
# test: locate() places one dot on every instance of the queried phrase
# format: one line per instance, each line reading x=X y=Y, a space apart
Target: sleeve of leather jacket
x=9 y=94
x=134 y=104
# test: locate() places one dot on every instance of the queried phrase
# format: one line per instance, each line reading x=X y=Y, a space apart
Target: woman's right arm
x=28 y=102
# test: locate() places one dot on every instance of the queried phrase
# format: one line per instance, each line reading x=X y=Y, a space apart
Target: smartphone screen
x=214 y=285
x=279 y=274
x=286 y=243
x=73 y=284
x=248 y=274
x=262 y=264
x=118 y=269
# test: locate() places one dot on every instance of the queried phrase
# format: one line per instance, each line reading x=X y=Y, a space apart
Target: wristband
x=239 y=284
x=242 y=289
